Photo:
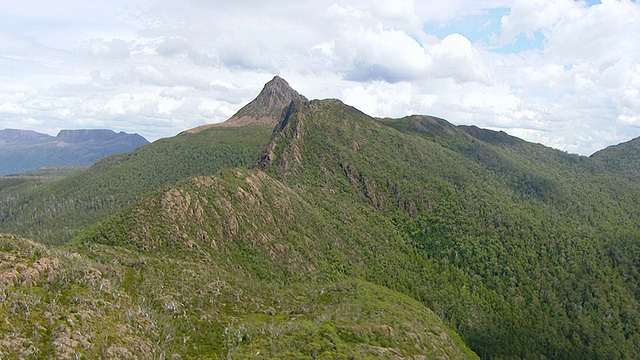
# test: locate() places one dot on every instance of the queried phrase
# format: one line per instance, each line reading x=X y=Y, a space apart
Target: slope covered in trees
x=622 y=158
x=526 y=251
x=58 y=210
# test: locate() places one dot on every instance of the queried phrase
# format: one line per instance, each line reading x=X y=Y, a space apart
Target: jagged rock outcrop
x=289 y=130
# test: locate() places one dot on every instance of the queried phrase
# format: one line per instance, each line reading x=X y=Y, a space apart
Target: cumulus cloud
x=585 y=71
x=158 y=67
x=366 y=50
x=456 y=58
x=378 y=54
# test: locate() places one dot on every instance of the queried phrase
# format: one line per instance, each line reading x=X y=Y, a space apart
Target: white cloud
x=374 y=54
x=633 y=120
x=12 y=108
x=445 y=11
x=381 y=98
x=158 y=67
x=528 y=16
x=110 y=49
x=456 y=58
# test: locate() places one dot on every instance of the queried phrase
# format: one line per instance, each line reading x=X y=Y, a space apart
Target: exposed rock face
x=290 y=129
x=265 y=109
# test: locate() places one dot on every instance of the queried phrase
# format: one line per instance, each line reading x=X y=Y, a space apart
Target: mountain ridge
x=81 y=135
x=7 y=134
x=523 y=250
x=623 y=157
x=477 y=213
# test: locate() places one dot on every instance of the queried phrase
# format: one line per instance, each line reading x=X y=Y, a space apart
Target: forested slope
x=525 y=251
x=622 y=158
x=55 y=212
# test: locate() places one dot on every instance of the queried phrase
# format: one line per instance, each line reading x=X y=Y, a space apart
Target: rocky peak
x=266 y=108
x=274 y=97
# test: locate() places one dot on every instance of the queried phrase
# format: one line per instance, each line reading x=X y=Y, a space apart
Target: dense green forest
x=333 y=235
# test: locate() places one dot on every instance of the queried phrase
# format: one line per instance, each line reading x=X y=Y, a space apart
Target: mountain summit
x=265 y=109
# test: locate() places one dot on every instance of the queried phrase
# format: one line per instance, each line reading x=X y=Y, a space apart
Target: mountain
x=623 y=158
x=265 y=109
x=333 y=234
x=28 y=207
x=117 y=181
x=24 y=150
x=15 y=135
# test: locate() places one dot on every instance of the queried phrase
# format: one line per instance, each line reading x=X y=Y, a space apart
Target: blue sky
x=483 y=29
x=480 y=29
x=563 y=73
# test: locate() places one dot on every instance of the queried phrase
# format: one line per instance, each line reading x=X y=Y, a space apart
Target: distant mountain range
x=25 y=150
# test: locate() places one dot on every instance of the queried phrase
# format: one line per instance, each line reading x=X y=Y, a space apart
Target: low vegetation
x=117 y=303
